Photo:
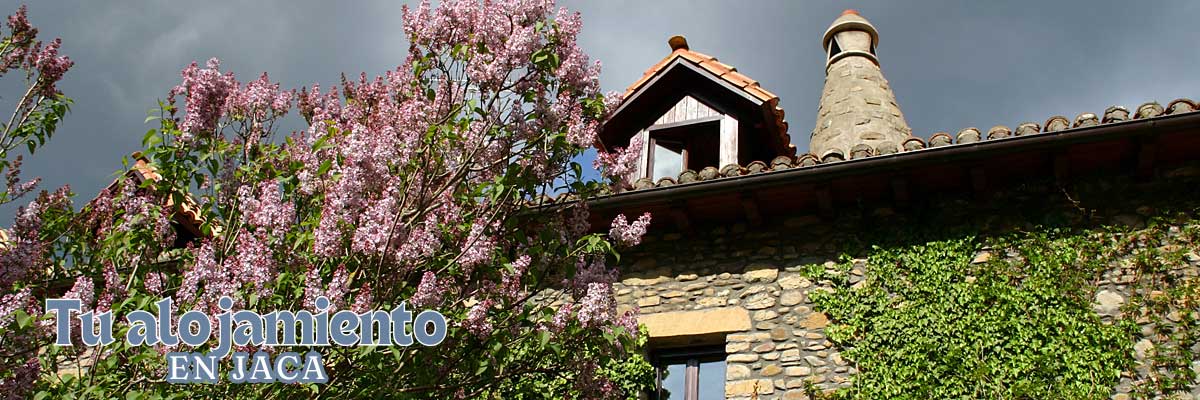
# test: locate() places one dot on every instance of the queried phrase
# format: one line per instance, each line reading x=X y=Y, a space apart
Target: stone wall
x=758 y=269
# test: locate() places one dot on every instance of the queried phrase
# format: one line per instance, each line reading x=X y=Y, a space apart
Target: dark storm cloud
x=952 y=64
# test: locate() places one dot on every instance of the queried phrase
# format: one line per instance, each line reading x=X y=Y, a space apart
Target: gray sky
x=952 y=64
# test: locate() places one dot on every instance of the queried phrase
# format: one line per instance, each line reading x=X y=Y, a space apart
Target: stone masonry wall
x=759 y=269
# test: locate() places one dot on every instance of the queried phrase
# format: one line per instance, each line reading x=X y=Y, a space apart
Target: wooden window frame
x=692 y=356
x=683 y=141
x=654 y=145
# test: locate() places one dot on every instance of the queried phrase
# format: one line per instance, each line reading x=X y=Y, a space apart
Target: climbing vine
x=965 y=314
x=1165 y=297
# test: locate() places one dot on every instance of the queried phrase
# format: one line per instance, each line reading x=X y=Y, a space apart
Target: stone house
x=738 y=214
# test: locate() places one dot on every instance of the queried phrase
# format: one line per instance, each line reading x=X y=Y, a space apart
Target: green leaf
x=23 y=320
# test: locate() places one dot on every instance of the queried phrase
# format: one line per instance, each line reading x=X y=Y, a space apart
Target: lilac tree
x=422 y=186
x=34 y=118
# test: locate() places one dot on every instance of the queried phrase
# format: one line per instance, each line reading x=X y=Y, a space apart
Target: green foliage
x=633 y=375
x=1165 y=302
x=930 y=323
x=964 y=313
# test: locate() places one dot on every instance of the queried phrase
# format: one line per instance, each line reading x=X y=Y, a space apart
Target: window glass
x=712 y=380
x=691 y=374
x=668 y=159
x=673 y=381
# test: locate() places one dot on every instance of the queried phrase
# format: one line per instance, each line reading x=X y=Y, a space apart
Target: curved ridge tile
x=1148 y=110
x=643 y=183
x=940 y=139
x=730 y=170
x=1180 y=106
x=833 y=155
x=807 y=160
x=886 y=147
x=999 y=132
x=756 y=167
x=1086 y=119
x=861 y=150
x=967 y=135
x=1056 y=123
x=913 y=143
x=1028 y=128
x=688 y=176
x=781 y=163
x=1115 y=114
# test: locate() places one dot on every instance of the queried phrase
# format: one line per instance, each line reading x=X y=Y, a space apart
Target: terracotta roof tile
x=1028 y=128
x=940 y=139
x=716 y=67
x=913 y=143
x=1179 y=106
x=1115 y=114
x=187 y=213
x=1057 y=123
x=968 y=135
x=1148 y=110
x=999 y=131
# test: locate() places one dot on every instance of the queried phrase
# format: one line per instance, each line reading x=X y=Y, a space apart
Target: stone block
x=742 y=358
x=673 y=293
x=816 y=320
x=1108 y=302
x=760 y=301
x=649 y=301
x=760 y=273
x=794 y=282
x=791 y=298
x=795 y=395
x=736 y=371
x=734 y=347
x=749 y=387
x=644 y=281
x=798 y=371
x=765 y=315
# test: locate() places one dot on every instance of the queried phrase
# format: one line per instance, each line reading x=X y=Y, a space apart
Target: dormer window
x=691 y=146
x=692 y=112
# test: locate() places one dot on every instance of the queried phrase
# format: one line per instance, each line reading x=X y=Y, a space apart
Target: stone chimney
x=858 y=111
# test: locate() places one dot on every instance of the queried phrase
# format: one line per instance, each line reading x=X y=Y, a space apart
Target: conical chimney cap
x=849 y=20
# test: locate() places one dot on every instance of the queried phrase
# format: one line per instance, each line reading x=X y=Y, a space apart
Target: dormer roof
x=682 y=60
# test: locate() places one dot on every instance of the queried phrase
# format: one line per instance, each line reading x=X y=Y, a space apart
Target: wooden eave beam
x=751 y=209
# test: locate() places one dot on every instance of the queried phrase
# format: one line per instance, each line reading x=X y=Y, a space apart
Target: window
x=691 y=374
x=690 y=146
x=834 y=49
x=667 y=159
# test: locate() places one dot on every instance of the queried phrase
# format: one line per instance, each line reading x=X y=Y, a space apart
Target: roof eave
x=898 y=161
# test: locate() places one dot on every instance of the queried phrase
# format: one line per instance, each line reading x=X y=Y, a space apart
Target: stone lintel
x=683 y=328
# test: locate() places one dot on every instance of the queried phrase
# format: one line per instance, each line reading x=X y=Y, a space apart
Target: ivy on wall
x=963 y=314
x=1164 y=303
